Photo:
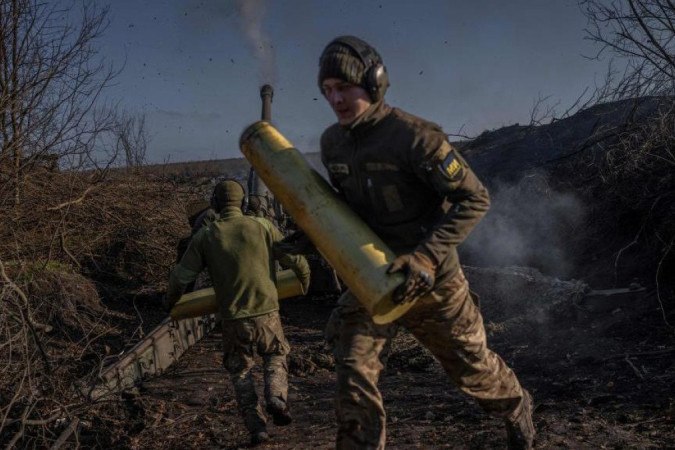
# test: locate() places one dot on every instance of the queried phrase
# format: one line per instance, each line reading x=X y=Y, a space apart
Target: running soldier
x=239 y=254
x=400 y=174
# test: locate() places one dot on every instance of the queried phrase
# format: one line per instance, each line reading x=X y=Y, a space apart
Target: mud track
x=599 y=379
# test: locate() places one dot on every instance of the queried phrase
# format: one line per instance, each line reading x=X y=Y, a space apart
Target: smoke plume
x=529 y=224
x=251 y=14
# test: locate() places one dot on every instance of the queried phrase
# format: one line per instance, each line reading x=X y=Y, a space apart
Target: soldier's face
x=348 y=100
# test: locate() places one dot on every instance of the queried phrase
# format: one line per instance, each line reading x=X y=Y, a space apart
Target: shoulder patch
x=452 y=167
x=338 y=169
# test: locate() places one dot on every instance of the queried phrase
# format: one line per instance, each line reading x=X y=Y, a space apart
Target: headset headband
x=364 y=51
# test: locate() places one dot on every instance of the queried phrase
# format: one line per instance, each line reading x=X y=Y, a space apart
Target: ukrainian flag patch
x=451 y=167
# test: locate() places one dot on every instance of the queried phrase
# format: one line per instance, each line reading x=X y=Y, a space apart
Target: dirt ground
x=600 y=379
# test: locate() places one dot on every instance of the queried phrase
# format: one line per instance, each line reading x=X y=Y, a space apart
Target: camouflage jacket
x=400 y=174
x=238 y=252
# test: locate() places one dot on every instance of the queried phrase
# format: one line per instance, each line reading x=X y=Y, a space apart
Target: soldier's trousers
x=242 y=338
x=449 y=324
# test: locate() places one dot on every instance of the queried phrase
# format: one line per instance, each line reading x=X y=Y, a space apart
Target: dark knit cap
x=340 y=61
x=351 y=59
x=228 y=193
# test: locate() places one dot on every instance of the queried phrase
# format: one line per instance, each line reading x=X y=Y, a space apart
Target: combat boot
x=519 y=427
x=258 y=437
x=278 y=409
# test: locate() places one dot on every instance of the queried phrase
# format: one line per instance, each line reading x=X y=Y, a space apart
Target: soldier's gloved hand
x=296 y=243
x=419 y=271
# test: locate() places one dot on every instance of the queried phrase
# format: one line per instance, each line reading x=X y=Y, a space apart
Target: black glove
x=296 y=243
x=420 y=277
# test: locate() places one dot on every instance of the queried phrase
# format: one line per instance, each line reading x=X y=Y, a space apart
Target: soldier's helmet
x=227 y=193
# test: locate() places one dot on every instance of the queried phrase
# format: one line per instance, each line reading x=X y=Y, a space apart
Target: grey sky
x=469 y=65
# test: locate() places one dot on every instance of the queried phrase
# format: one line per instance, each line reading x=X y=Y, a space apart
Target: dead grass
x=72 y=238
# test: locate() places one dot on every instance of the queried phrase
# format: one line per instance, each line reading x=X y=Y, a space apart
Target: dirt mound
x=123 y=228
x=65 y=301
x=510 y=153
x=591 y=196
x=74 y=246
x=57 y=332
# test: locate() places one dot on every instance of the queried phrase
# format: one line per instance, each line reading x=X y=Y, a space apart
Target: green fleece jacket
x=238 y=252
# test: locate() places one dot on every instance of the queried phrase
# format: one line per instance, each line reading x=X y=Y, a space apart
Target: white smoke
x=251 y=14
x=529 y=224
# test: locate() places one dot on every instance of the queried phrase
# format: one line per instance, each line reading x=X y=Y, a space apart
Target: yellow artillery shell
x=203 y=302
x=358 y=255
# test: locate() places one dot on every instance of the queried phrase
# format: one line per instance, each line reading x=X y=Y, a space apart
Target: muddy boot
x=279 y=411
x=519 y=427
x=258 y=437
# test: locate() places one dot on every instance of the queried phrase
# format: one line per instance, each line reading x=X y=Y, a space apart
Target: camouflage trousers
x=449 y=324
x=242 y=338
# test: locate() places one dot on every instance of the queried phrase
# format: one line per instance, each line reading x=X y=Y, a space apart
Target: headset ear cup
x=377 y=81
x=382 y=80
x=371 y=84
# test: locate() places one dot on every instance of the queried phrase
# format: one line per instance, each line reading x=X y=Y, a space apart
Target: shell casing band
x=358 y=255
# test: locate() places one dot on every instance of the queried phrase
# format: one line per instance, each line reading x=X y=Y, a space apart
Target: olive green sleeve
x=191 y=264
x=297 y=263
x=442 y=167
